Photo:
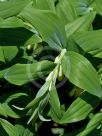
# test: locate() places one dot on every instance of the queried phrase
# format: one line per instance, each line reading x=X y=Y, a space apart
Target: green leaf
x=81 y=73
x=82 y=7
x=11 y=22
x=14 y=96
x=41 y=93
x=12 y=7
x=9 y=52
x=100 y=71
x=6 y=108
x=78 y=111
x=99 y=6
x=90 y=40
x=8 y=127
x=93 y=123
x=99 y=54
x=2 y=58
x=42 y=105
x=100 y=74
x=80 y=24
x=53 y=33
x=80 y=108
x=2 y=132
x=20 y=74
x=34 y=115
x=96 y=53
x=55 y=104
x=66 y=11
x=2 y=72
x=23 y=131
x=44 y=4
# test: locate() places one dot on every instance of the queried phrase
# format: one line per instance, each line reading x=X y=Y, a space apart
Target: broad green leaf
x=82 y=7
x=53 y=33
x=2 y=132
x=93 y=123
x=2 y=72
x=99 y=55
x=23 y=131
x=7 y=111
x=80 y=72
x=41 y=93
x=12 y=7
x=12 y=22
x=66 y=11
x=96 y=53
x=100 y=71
x=80 y=24
x=8 y=127
x=6 y=108
x=20 y=74
x=99 y=6
x=44 y=4
x=9 y=52
x=2 y=58
x=90 y=40
x=33 y=40
x=78 y=110
x=55 y=103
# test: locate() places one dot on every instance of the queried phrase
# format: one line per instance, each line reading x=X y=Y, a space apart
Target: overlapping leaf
x=23 y=131
x=80 y=24
x=78 y=110
x=12 y=7
x=41 y=93
x=8 y=127
x=83 y=7
x=99 y=6
x=93 y=123
x=9 y=52
x=11 y=22
x=66 y=11
x=44 y=4
x=20 y=74
x=6 y=108
x=90 y=40
x=55 y=104
x=54 y=33
x=17 y=130
x=81 y=73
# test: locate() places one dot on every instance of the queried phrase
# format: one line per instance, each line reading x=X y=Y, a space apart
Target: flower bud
x=60 y=74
